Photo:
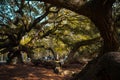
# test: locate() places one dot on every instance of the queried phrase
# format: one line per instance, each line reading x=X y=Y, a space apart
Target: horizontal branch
x=3 y=25
x=79 y=6
x=3 y=40
x=7 y=45
x=77 y=45
x=91 y=9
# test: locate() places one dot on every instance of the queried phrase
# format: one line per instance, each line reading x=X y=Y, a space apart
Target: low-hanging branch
x=77 y=45
x=86 y=42
x=79 y=6
x=8 y=44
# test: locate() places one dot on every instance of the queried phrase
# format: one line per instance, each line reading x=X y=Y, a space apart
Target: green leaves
x=60 y=30
x=65 y=29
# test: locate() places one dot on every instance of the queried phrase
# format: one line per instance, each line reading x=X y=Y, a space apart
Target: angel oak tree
x=100 y=13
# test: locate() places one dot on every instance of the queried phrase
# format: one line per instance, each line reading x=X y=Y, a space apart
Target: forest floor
x=31 y=72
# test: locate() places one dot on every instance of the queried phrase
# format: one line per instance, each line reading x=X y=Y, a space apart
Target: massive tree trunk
x=105 y=24
x=13 y=54
x=100 y=12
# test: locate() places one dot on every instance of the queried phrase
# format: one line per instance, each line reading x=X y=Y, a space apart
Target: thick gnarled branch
x=79 y=6
x=77 y=45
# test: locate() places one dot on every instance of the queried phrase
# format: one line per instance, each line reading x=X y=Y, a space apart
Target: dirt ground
x=31 y=72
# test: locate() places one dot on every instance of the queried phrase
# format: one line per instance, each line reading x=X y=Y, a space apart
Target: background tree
x=63 y=33
x=94 y=9
x=17 y=19
x=60 y=29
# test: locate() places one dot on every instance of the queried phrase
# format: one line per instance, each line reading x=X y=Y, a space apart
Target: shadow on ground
x=28 y=72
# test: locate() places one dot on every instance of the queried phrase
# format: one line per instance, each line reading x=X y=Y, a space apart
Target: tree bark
x=105 y=25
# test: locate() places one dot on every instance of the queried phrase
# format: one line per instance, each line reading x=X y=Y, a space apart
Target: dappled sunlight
x=39 y=41
x=11 y=67
x=30 y=72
